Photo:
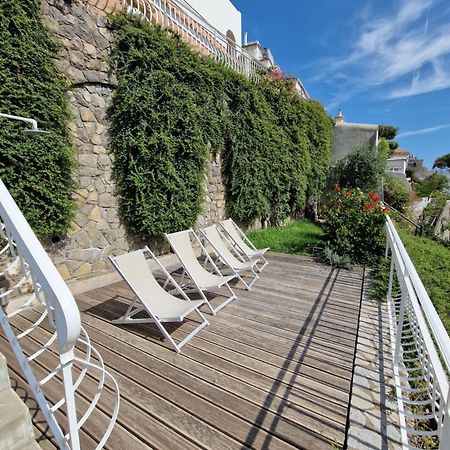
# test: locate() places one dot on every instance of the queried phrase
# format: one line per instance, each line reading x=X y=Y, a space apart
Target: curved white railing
x=421 y=352
x=193 y=29
x=27 y=267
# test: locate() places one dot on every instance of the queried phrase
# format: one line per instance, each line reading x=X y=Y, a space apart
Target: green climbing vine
x=37 y=170
x=173 y=108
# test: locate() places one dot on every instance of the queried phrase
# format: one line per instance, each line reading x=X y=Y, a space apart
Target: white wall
x=397 y=165
x=221 y=14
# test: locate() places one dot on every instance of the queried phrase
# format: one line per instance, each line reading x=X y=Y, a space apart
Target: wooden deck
x=272 y=370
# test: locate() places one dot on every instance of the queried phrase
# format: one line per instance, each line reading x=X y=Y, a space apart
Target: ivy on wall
x=173 y=107
x=36 y=169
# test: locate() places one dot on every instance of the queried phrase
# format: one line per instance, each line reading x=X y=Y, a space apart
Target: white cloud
x=407 y=51
x=424 y=130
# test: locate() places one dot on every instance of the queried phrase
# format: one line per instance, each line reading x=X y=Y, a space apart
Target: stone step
x=4 y=377
x=32 y=446
x=16 y=430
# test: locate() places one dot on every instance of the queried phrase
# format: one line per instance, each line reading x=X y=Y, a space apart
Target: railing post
x=69 y=394
x=391 y=280
x=444 y=437
x=401 y=320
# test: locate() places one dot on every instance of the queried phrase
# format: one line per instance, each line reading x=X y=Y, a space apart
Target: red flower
x=337 y=188
x=368 y=206
x=372 y=195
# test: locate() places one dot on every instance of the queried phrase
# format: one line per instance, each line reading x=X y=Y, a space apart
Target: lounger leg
x=194 y=332
x=228 y=300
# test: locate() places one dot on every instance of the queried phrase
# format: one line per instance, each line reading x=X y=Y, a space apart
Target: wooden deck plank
x=186 y=364
x=273 y=369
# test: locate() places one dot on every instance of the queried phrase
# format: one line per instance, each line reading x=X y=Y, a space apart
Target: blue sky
x=381 y=62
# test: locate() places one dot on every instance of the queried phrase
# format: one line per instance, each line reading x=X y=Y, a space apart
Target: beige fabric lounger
x=201 y=280
x=224 y=254
x=240 y=241
x=152 y=298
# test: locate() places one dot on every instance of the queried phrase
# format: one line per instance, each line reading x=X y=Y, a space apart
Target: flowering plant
x=275 y=74
x=354 y=224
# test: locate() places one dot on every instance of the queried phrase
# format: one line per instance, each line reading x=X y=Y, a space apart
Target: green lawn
x=432 y=262
x=297 y=237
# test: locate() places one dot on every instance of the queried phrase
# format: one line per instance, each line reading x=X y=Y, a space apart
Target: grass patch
x=298 y=237
x=432 y=262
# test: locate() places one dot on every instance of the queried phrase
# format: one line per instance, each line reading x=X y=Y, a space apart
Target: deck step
x=16 y=429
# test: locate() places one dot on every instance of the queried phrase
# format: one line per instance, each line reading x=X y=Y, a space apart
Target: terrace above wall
x=214 y=31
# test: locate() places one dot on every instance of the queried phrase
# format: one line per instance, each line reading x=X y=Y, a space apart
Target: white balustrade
x=191 y=27
x=27 y=267
x=421 y=352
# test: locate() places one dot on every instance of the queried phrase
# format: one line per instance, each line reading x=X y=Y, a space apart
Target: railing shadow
x=319 y=305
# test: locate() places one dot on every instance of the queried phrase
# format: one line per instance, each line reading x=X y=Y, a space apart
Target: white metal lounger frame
x=240 y=236
x=188 y=271
x=227 y=260
x=134 y=309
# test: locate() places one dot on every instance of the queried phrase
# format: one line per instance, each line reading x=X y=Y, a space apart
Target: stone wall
x=97 y=231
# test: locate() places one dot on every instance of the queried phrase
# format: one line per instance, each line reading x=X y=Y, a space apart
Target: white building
x=220 y=14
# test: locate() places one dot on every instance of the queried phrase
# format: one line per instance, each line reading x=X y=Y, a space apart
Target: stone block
x=93 y=254
x=87 y=171
x=84 y=270
x=82 y=239
x=16 y=430
x=96 y=214
x=99 y=149
x=86 y=114
x=84 y=182
x=100 y=266
x=99 y=240
x=107 y=200
x=89 y=49
x=104 y=161
x=88 y=159
x=100 y=186
x=73 y=265
x=96 y=140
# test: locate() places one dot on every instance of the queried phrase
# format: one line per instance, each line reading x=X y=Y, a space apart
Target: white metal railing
x=421 y=353
x=193 y=29
x=27 y=267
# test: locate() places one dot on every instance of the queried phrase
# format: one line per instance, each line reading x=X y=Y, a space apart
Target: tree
x=363 y=168
x=396 y=192
x=443 y=162
x=387 y=132
x=433 y=183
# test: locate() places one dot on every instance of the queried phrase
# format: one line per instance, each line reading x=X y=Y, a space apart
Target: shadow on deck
x=272 y=370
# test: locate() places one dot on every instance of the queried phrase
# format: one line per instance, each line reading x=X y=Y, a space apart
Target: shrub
x=383 y=149
x=161 y=126
x=354 y=225
x=435 y=182
x=432 y=262
x=173 y=108
x=396 y=192
x=318 y=127
x=363 y=168
x=37 y=170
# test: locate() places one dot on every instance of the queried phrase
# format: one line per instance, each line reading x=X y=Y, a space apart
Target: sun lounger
x=152 y=298
x=240 y=241
x=231 y=260
x=200 y=279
